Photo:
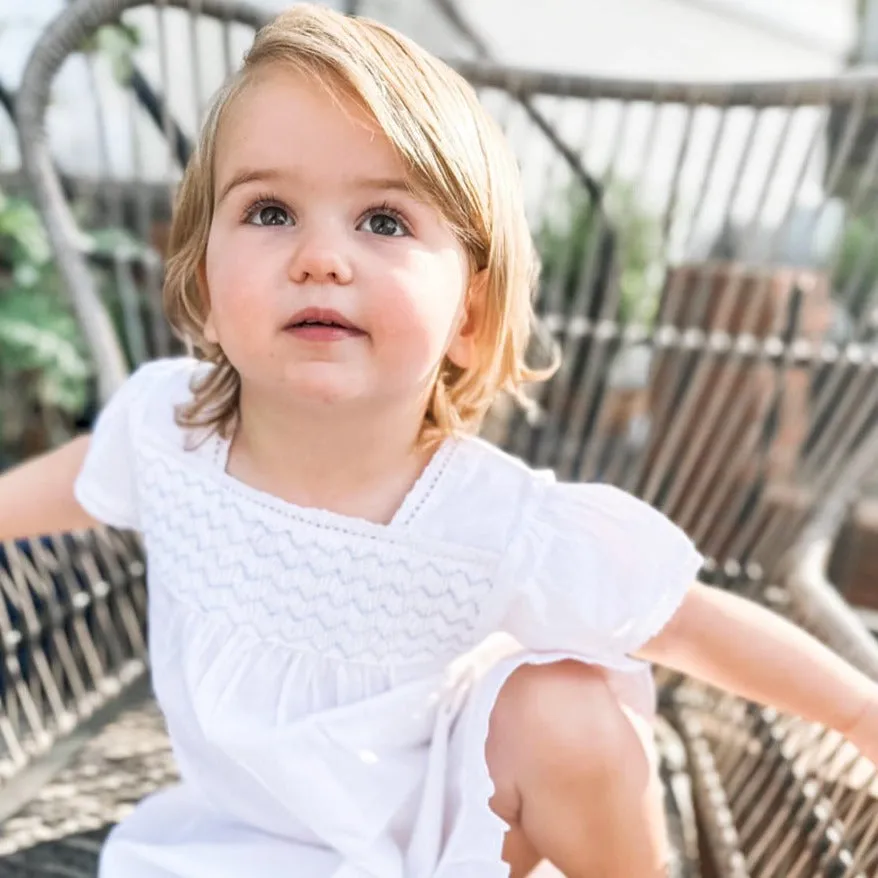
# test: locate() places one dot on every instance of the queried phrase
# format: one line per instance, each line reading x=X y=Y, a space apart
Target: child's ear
x=463 y=348
x=209 y=329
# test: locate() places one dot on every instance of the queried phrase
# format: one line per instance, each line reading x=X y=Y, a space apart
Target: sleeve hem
x=672 y=600
x=102 y=509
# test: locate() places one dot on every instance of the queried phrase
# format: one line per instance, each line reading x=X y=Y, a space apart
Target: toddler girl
x=384 y=648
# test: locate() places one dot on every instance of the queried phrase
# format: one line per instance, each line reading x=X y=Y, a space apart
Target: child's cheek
x=235 y=274
x=399 y=319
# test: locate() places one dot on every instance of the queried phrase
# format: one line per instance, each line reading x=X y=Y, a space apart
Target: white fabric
x=328 y=682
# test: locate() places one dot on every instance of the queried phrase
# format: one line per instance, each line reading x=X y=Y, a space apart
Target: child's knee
x=560 y=720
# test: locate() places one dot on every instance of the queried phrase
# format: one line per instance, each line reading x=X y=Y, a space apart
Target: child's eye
x=261 y=214
x=386 y=222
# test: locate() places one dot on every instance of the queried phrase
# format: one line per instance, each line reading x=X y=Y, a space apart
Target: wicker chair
x=705 y=370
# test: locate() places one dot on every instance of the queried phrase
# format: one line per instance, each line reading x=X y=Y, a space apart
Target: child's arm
x=738 y=646
x=37 y=497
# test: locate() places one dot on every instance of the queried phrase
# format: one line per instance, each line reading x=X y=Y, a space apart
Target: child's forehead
x=286 y=118
x=281 y=93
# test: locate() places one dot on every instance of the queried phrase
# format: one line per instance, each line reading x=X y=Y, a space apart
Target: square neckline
x=408 y=510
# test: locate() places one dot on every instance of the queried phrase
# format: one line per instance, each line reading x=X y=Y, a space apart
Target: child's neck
x=360 y=466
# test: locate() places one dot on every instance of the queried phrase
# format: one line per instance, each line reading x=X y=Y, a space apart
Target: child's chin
x=321 y=393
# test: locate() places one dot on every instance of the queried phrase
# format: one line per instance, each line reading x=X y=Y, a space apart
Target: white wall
x=670 y=39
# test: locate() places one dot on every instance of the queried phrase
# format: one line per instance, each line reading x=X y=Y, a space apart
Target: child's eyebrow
x=270 y=175
x=378 y=183
x=248 y=176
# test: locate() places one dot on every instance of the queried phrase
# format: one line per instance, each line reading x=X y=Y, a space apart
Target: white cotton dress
x=327 y=682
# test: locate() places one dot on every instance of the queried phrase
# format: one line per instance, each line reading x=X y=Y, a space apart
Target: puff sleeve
x=106 y=486
x=604 y=573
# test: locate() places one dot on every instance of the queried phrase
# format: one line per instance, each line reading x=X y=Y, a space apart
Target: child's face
x=313 y=222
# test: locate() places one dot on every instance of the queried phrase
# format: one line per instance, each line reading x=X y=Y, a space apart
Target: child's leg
x=573 y=777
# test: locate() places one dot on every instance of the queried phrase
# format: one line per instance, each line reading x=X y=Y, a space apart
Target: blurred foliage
x=117 y=43
x=41 y=349
x=47 y=386
x=855 y=277
x=617 y=243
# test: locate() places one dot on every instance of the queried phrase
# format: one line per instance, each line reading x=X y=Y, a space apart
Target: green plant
x=41 y=351
x=855 y=276
x=47 y=385
x=616 y=242
x=117 y=43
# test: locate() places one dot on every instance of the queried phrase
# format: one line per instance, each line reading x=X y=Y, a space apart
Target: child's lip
x=326 y=316
x=322 y=332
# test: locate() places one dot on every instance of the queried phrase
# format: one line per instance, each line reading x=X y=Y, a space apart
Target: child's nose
x=320 y=258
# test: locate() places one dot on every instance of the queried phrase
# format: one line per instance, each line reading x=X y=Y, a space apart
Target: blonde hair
x=456 y=157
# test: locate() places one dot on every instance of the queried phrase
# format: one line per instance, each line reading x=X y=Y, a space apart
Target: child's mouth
x=316 y=325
